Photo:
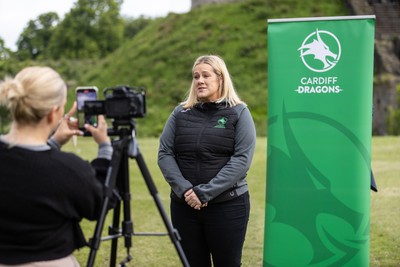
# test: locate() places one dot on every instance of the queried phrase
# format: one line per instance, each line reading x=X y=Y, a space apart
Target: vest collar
x=211 y=106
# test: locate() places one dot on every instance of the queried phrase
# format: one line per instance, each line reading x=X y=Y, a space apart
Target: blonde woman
x=44 y=193
x=206 y=149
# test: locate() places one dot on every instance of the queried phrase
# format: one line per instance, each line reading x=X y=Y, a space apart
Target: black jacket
x=208 y=148
x=43 y=196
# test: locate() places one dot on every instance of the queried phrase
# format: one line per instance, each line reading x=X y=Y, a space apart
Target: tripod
x=117 y=185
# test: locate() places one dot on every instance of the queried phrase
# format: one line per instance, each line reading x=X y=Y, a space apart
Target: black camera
x=121 y=103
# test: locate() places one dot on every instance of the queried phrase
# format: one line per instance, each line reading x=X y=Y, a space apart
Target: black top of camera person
x=121 y=103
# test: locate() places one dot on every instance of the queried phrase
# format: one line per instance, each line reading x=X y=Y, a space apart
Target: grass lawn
x=159 y=251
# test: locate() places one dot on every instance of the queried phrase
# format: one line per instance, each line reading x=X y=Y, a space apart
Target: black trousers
x=216 y=232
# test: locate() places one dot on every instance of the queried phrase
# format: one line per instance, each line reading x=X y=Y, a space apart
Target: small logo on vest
x=221 y=123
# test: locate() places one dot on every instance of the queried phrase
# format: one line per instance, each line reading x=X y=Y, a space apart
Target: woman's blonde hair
x=227 y=90
x=32 y=93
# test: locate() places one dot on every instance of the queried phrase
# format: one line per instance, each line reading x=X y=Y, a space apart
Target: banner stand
x=320 y=81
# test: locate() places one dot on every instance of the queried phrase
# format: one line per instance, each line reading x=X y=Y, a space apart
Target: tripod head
x=122 y=127
x=126 y=129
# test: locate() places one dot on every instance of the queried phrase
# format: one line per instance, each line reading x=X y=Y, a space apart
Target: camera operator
x=44 y=192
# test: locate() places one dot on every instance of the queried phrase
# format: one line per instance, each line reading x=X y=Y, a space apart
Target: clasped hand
x=193 y=201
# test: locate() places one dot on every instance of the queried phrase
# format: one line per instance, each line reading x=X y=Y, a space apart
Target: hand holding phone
x=85 y=93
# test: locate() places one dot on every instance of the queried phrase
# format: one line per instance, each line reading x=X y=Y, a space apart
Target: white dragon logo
x=320 y=50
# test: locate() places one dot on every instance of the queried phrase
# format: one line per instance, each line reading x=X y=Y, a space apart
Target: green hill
x=161 y=56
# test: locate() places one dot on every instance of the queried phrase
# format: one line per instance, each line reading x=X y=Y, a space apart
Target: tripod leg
x=114 y=230
x=173 y=233
x=127 y=223
x=109 y=186
x=95 y=241
x=123 y=185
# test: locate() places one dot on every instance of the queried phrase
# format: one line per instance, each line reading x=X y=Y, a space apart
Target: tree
x=5 y=53
x=92 y=29
x=8 y=62
x=35 y=38
x=134 y=25
x=4 y=59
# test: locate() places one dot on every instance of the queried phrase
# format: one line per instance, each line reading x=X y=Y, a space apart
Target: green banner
x=320 y=79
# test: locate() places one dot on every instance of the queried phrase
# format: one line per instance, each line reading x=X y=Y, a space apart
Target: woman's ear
x=52 y=115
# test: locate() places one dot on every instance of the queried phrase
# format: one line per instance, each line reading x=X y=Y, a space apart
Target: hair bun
x=11 y=91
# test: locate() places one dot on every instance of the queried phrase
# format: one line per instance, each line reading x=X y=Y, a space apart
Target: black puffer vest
x=204 y=140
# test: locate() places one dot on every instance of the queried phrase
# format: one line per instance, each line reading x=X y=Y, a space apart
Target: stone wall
x=387 y=56
x=196 y=3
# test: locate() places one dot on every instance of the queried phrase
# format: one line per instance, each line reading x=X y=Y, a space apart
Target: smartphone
x=84 y=93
